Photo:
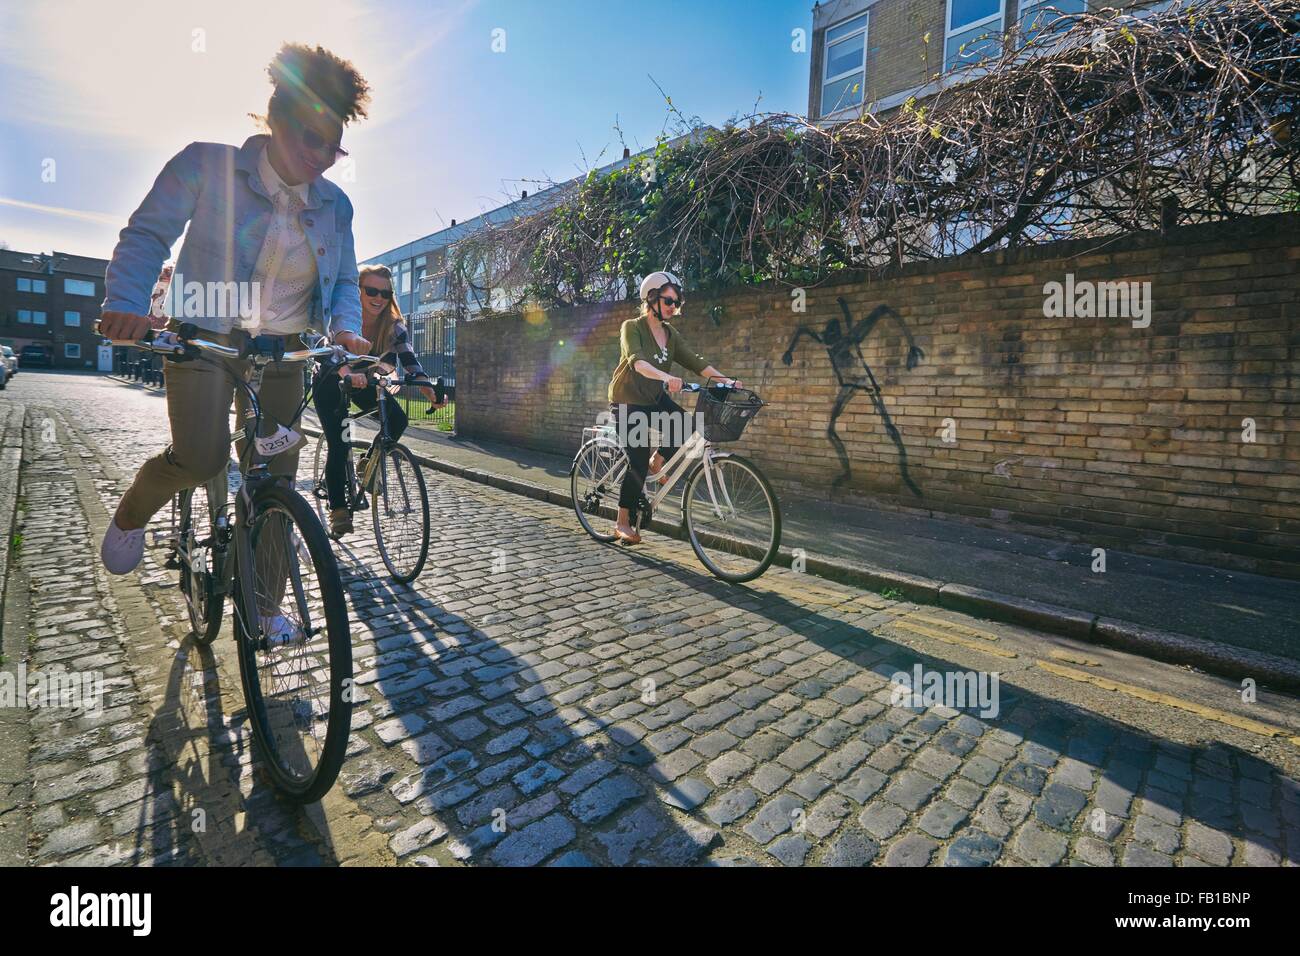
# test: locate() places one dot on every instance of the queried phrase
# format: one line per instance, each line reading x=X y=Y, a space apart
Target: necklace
x=661 y=355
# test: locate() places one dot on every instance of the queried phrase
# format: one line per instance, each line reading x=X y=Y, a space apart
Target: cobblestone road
x=537 y=698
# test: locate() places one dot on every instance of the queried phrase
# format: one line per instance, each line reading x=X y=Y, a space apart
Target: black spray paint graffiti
x=844 y=348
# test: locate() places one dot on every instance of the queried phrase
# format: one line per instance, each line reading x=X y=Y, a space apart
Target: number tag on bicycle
x=348 y=431
x=282 y=440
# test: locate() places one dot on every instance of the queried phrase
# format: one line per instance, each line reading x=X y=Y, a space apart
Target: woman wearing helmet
x=648 y=348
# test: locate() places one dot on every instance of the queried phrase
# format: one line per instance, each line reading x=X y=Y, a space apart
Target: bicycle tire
x=379 y=500
x=310 y=786
x=205 y=609
x=589 y=453
x=693 y=534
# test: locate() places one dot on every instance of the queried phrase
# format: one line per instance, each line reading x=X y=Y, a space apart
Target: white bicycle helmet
x=657 y=280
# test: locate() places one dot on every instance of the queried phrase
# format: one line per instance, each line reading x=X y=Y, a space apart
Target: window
x=28 y=317
x=72 y=350
x=419 y=274
x=73 y=319
x=78 y=287
x=405 y=287
x=1040 y=17
x=31 y=285
x=844 y=69
x=975 y=25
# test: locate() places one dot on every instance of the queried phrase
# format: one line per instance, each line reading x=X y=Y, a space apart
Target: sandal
x=626 y=538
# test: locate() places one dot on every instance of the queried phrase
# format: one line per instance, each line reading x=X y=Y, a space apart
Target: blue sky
x=97 y=94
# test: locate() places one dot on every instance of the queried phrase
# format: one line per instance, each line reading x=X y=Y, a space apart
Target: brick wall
x=1118 y=435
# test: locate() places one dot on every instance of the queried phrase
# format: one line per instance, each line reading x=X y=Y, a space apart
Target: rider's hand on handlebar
x=352 y=342
x=124 y=326
x=674 y=384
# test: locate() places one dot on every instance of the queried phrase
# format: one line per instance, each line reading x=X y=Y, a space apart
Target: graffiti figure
x=844 y=348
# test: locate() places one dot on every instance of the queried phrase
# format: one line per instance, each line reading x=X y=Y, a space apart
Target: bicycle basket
x=725 y=412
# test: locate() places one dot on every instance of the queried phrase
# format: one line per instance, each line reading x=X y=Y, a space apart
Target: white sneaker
x=121 y=551
x=279 y=630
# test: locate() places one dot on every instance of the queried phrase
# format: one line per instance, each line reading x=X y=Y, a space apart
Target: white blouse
x=286 y=268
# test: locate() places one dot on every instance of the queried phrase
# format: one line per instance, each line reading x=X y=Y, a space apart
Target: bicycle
x=392 y=478
x=730 y=511
x=274 y=544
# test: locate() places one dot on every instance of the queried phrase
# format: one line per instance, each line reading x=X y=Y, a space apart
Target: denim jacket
x=218 y=191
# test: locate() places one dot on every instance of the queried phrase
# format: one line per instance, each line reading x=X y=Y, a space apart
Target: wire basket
x=724 y=412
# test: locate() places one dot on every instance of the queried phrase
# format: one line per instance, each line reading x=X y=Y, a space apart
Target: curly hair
x=316 y=80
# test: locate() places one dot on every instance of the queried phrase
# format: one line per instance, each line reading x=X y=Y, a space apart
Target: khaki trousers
x=199 y=394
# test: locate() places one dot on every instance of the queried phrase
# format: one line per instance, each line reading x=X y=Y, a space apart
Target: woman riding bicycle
x=262 y=221
x=382 y=325
x=648 y=348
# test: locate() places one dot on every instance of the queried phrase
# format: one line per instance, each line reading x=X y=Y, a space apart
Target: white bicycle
x=730 y=511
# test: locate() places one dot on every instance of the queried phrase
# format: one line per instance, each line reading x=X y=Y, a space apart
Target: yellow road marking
x=953 y=626
x=1073 y=657
x=981 y=646
x=1156 y=697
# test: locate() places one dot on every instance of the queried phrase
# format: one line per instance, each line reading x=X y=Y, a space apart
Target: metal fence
x=434 y=341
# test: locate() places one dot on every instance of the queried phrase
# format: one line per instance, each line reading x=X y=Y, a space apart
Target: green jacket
x=630 y=387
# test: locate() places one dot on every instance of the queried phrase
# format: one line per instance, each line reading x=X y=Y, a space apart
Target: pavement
x=1228 y=622
x=538 y=698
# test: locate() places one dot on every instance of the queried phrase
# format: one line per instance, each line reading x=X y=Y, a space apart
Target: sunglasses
x=666 y=300
x=382 y=293
x=316 y=143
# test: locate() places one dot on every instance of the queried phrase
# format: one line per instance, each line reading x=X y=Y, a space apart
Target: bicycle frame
x=357 y=485
x=676 y=468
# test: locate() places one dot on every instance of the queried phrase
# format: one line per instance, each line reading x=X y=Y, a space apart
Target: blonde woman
x=382 y=325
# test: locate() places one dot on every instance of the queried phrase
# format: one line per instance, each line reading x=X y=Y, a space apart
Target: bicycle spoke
x=732 y=520
x=292 y=701
x=401 y=515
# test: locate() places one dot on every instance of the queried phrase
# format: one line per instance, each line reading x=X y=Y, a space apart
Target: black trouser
x=330 y=409
x=639 y=451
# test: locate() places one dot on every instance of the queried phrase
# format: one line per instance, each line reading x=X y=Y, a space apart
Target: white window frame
x=69 y=348
x=89 y=282
x=826 y=59
x=949 y=32
x=1022 y=38
x=73 y=325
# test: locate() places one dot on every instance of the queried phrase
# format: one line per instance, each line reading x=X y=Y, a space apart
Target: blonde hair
x=391 y=314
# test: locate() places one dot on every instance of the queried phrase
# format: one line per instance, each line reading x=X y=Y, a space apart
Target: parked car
x=35 y=355
x=10 y=362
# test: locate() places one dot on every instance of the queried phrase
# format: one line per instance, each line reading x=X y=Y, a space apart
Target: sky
x=96 y=95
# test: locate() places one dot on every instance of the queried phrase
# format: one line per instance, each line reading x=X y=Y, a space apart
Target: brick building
x=872 y=55
x=52 y=300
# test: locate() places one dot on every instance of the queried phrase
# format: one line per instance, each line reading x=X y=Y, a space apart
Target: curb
x=14 y=419
x=1224 y=660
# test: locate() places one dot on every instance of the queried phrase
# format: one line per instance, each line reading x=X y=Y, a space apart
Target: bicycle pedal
x=160 y=539
x=363 y=503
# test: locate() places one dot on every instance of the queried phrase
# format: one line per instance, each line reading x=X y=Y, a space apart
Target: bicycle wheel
x=732 y=518
x=295 y=653
x=195 y=509
x=594 y=481
x=400 y=512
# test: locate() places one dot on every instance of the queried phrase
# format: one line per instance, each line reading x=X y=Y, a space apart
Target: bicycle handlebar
x=178 y=347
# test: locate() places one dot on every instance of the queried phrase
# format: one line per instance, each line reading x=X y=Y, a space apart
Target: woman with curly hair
x=261 y=218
